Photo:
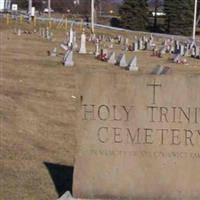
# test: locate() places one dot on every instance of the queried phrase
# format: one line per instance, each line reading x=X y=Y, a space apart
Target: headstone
x=111 y=58
x=53 y=53
x=193 y=51
x=172 y=49
x=103 y=38
x=197 y=53
x=165 y=42
x=192 y=44
x=111 y=46
x=177 y=46
x=68 y=59
x=168 y=48
x=93 y=37
x=122 y=40
x=43 y=33
x=132 y=65
x=47 y=36
x=162 y=52
x=151 y=44
x=19 y=32
x=138 y=137
x=71 y=36
x=75 y=45
x=65 y=47
x=97 y=51
x=177 y=58
x=135 y=46
x=126 y=42
x=160 y=70
x=121 y=60
x=155 y=51
x=182 y=50
x=140 y=44
x=66 y=196
x=187 y=50
x=83 y=44
x=151 y=38
x=146 y=47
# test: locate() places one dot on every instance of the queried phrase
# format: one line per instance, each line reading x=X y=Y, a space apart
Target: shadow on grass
x=62 y=177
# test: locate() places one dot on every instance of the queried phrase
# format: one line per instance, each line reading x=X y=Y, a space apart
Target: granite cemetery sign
x=139 y=137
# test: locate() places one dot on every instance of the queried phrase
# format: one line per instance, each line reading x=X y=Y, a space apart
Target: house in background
x=5 y=5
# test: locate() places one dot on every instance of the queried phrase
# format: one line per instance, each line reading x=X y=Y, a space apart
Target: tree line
x=177 y=18
x=62 y=6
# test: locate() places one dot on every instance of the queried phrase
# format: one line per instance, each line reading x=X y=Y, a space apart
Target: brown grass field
x=38 y=118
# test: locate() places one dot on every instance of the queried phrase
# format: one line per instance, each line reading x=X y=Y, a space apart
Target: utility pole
x=29 y=9
x=100 y=8
x=49 y=9
x=195 y=20
x=92 y=15
x=49 y=12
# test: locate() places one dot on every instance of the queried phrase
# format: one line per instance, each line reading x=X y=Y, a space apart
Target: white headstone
x=126 y=42
x=19 y=32
x=53 y=53
x=132 y=65
x=83 y=44
x=197 y=53
x=177 y=58
x=162 y=51
x=68 y=59
x=65 y=47
x=97 y=52
x=172 y=49
x=75 y=45
x=71 y=36
x=43 y=33
x=121 y=61
x=140 y=43
x=182 y=50
x=111 y=58
x=66 y=196
x=135 y=46
x=111 y=46
x=93 y=37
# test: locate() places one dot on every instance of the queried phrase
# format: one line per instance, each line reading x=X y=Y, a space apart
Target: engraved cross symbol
x=154 y=85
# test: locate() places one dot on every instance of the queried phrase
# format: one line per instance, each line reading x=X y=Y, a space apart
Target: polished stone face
x=138 y=136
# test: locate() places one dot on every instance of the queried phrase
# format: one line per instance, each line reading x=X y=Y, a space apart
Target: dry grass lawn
x=38 y=119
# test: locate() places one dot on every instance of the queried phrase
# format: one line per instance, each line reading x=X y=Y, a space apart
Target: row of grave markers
x=174 y=47
x=102 y=55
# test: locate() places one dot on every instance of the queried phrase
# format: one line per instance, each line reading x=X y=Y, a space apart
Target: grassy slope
x=38 y=114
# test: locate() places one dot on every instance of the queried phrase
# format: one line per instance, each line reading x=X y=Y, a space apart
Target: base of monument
x=67 y=196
